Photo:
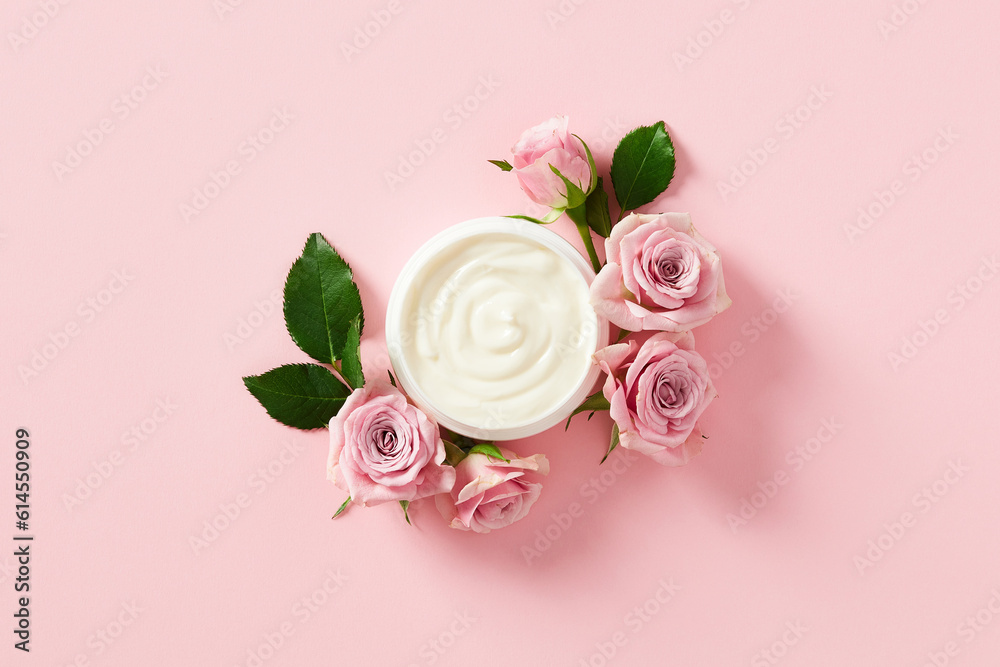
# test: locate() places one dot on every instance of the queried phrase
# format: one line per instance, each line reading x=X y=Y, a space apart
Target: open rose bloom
x=661 y=275
x=490 y=493
x=550 y=144
x=657 y=391
x=384 y=449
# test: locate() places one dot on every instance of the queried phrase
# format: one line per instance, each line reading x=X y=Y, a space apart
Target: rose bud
x=550 y=143
x=490 y=493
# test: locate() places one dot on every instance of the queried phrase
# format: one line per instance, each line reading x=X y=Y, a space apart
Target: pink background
x=430 y=595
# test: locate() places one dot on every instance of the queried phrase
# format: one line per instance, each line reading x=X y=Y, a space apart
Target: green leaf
x=590 y=161
x=594 y=402
x=615 y=436
x=574 y=195
x=350 y=364
x=550 y=217
x=489 y=449
x=463 y=442
x=598 y=214
x=342 y=508
x=642 y=167
x=303 y=396
x=392 y=380
x=503 y=164
x=405 y=504
x=321 y=301
x=622 y=334
x=453 y=454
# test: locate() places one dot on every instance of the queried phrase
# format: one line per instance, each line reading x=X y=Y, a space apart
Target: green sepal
x=453 y=454
x=490 y=450
x=575 y=196
x=594 y=403
x=341 y=509
x=590 y=162
x=405 y=504
x=615 y=437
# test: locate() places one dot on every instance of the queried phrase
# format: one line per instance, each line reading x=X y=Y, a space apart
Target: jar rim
x=394 y=320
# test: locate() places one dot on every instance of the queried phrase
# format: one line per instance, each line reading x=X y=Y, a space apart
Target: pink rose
x=657 y=393
x=550 y=144
x=384 y=449
x=490 y=493
x=661 y=275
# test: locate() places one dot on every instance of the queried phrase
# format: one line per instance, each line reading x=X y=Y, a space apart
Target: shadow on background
x=745 y=445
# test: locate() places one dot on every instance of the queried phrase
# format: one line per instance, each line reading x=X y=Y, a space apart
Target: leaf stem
x=588 y=242
x=339 y=374
x=342 y=508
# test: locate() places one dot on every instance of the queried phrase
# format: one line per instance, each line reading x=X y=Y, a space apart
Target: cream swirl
x=501 y=330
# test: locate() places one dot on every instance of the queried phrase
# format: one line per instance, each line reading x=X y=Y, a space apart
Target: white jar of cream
x=490 y=328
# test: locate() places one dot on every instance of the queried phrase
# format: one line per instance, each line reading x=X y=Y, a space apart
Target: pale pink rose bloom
x=550 y=144
x=384 y=449
x=661 y=275
x=657 y=391
x=490 y=493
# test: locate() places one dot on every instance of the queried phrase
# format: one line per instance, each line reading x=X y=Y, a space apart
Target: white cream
x=497 y=331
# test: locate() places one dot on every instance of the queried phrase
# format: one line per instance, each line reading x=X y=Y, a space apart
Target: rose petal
x=607 y=297
x=680 y=455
